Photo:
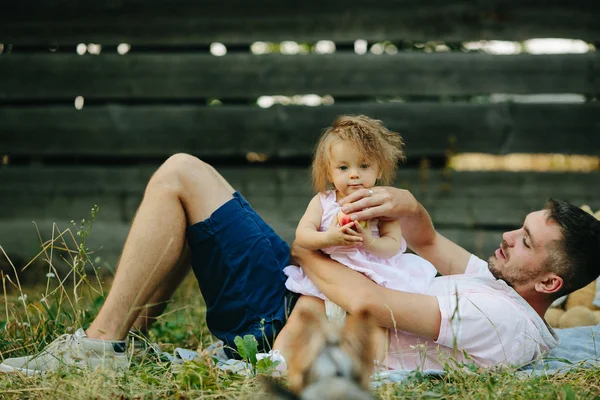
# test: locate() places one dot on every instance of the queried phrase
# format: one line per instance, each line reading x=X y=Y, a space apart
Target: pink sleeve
x=477 y=266
x=488 y=328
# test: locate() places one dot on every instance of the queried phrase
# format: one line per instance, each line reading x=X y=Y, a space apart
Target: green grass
x=61 y=304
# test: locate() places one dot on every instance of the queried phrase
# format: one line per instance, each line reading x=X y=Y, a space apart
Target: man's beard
x=497 y=273
x=510 y=278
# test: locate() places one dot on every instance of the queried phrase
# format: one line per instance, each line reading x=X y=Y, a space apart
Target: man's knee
x=182 y=163
x=176 y=169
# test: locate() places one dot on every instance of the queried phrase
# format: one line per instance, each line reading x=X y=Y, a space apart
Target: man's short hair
x=575 y=258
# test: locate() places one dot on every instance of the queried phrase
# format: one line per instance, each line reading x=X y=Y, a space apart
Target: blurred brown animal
x=328 y=361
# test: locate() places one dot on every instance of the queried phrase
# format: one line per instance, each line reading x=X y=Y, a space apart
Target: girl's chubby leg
x=294 y=326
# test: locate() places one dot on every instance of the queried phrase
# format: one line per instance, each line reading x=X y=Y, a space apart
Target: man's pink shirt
x=482 y=317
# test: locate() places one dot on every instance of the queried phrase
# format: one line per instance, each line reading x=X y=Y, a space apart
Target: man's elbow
x=426 y=246
x=298 y=253
x=361 y=301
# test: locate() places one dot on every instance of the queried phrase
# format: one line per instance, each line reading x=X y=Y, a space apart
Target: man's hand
x=386 y=203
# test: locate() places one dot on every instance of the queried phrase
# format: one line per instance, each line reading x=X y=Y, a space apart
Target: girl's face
x=349 y=170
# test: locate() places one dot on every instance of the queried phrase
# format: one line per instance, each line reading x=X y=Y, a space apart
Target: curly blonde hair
x=374 y=141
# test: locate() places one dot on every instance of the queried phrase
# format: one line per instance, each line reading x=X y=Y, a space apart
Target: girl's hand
x=384 y=203
x=365 y=233
x=343 y=235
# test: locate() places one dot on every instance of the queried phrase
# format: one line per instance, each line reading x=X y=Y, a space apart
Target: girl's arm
x=389 y=242
x=307 y=232
x=309 y=237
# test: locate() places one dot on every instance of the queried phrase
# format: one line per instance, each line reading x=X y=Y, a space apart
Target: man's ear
x=551 y=283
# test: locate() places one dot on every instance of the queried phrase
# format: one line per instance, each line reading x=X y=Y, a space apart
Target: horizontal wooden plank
x=454 y=199
x=429 y=129
x=237 y=21
x=471 y=208
x=19 y=238
x=194 y=76
x=459 y=199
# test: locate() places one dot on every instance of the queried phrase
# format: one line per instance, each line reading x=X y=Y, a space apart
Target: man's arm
x=410 y=312
x=420 y=235
x=418 y=231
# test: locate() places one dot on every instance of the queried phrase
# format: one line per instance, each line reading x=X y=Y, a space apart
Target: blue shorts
x=238 y=261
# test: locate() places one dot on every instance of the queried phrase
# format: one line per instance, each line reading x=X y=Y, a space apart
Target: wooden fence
x=158 y=99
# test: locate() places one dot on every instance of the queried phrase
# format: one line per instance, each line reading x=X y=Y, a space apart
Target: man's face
x=520 y=259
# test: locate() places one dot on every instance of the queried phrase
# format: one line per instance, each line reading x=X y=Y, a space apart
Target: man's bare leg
x=183 y=191
x=159 y=300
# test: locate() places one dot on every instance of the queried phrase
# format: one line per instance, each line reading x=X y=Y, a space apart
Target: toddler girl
x=355 y=153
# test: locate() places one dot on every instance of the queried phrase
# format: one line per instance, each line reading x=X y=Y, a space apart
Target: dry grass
x=33 y=316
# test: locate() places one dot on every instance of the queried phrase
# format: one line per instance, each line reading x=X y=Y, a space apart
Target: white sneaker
x=274 y=355
x=72 y=350
x=14 y=363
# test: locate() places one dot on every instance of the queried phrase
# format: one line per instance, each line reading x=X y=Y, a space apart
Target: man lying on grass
x=493 y=311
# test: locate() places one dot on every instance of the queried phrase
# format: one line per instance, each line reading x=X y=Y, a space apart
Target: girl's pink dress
x=405 y=272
